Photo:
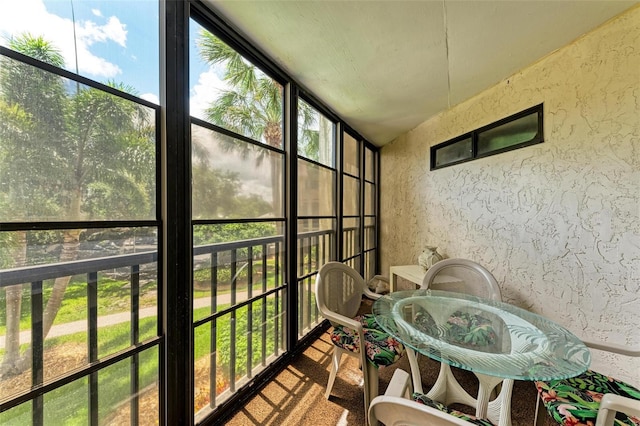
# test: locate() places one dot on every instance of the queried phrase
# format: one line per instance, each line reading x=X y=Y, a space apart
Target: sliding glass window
x=316 y=206
x=238 y=230
x=351 y=199
x=79 y=225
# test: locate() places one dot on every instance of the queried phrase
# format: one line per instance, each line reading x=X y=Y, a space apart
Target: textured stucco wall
x=557 y=223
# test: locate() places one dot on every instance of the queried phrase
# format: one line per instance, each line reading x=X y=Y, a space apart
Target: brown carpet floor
x=296 y=395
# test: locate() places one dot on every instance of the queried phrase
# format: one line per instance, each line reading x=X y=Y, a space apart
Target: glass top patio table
x=481 y=335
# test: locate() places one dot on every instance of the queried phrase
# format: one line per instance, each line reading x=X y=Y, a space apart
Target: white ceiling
x=387 y=66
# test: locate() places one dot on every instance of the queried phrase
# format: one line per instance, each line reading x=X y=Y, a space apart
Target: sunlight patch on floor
x=342 y=421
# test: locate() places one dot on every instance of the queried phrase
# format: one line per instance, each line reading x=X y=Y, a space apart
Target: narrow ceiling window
x=516 y=131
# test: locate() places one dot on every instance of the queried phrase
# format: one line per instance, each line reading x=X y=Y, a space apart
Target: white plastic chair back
x=339 y=289
x=611 y=404
x=394 y=409
x=468 y=277
x=462 y=276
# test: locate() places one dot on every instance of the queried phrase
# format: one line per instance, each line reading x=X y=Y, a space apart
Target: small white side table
x=413 y=273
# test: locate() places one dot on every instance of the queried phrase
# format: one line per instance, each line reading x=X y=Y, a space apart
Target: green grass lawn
x=68 y=405
x=114 y=296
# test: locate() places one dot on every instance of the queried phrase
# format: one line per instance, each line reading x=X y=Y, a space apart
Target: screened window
x=105 y=41
x=316 y=135
x=370 y=212
x=352 y=198
x=316 y=186
x=116 y=261
x=231 y=92
x=233 y=178
x=351 y=155
x=237 y=167
x=79 y=183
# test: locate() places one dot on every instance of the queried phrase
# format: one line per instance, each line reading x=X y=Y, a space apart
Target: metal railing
x=246 y=300
x=241 y=301
x=35 y=276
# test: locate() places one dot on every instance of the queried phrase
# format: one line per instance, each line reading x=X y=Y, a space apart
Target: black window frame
x=474 y=136
x=173 y=219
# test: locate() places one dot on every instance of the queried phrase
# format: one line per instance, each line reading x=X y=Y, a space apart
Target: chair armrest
x=400 y=384
x=613 y=348
x=335 y=317
x=611 y=403
x=371 y=295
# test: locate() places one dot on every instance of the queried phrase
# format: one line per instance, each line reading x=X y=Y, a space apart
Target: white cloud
x=59 y=31
x=116 y=31
x=89 y=32
x=208 y=89
x=96 y=12
x=254 y=177
x=151 y=97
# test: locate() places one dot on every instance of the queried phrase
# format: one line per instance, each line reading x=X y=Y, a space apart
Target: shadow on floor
x=296 y=395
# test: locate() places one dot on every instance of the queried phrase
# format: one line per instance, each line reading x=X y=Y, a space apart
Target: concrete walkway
x=108 y=320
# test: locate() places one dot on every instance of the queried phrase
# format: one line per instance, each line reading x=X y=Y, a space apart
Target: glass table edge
x=580 y=368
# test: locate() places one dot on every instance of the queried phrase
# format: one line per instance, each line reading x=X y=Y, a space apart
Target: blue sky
x=115 y=40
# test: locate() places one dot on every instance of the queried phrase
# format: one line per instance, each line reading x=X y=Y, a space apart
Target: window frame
x=474 y=135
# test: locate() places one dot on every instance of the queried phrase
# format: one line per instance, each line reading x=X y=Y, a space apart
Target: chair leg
x=335 y=363
x=540 y=412
x=370 y=373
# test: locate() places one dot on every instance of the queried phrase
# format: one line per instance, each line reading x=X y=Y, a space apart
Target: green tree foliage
x=209 y=234
x=67 y=152
x=33 y=110
x=253 y=107
x=114 y=158
x=73 y=154
x=219 y=195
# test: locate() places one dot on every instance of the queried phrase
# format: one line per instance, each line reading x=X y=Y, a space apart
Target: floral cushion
x=576 y=401
x=423 y=399
x=381 y=348
x=470 y=329
x=461 y=328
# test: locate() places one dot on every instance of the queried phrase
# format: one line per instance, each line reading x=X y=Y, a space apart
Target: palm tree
x=24 y=124
x=65 y=155
x=253 y=106
x=102 y=127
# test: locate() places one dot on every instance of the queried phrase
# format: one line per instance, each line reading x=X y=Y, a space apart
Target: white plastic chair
x=378 y=284
x=469 y=277
x=339 y=291
x=610 y=402
x=395 y=408
x=462 y=276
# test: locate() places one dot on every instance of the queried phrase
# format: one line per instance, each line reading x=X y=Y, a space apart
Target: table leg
x=415 y=370
x=498 y=410
x=393 y=282
x=447 y=390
